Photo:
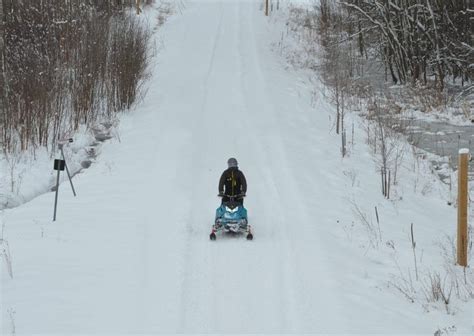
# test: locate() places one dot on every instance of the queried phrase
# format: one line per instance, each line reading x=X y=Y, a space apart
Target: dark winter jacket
x=232 y=182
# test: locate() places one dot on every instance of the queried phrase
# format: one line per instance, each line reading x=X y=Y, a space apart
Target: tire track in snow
x=274 y=148
x=267 y=270
x=271 y=214
x=190 y=302
x=252 y=289
x=163 y=174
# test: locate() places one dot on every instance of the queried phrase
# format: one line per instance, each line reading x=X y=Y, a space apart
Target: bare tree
x=337 y=61
x=417 y=37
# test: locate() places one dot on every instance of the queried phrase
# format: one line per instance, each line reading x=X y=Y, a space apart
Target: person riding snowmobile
x=232 y=183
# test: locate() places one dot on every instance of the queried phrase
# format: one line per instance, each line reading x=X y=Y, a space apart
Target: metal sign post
x=61 y=146
x=58 y=165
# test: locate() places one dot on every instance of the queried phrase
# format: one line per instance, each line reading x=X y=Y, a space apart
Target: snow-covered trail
x=132 y=253
x=234 y=115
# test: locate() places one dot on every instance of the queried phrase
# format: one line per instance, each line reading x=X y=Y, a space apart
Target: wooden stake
x=352 y=135
x=137 y=4
x=383 y=183
x=388 y=186
x=413 y=246
x=462 y=206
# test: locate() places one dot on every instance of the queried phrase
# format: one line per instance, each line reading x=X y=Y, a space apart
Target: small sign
x=59 y=164
x=65 y=141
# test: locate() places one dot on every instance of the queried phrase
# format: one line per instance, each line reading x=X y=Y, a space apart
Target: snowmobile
x=231 y=216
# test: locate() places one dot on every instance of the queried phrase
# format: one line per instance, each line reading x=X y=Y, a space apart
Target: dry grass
x=76 y=63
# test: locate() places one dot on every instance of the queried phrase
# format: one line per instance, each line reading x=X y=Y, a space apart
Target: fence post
x=137 y=6
x=462 y=207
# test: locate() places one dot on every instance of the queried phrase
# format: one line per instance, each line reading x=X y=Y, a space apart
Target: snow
x=131 y=253
x=30 y=174
x=464 y=151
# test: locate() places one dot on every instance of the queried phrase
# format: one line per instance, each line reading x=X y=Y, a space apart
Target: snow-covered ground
x=131 y=253
x=29 y=174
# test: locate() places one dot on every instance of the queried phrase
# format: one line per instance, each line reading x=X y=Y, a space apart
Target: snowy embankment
x=131 y=253
x=30 y=174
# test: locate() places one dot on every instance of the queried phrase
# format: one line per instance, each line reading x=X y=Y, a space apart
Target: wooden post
x=266 y=7
x=462 y=207
x=137 y=4
x=352 y=135
x=383 y=183
x=388 y=185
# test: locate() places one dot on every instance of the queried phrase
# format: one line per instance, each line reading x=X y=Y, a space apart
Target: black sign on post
x=59 y=164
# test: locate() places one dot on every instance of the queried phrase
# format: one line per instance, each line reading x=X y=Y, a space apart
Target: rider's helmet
x=232 y=162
